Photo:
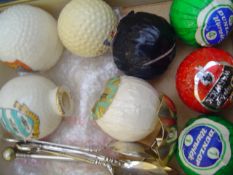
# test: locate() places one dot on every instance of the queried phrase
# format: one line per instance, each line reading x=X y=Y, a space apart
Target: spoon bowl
x=132 y=150
x=139 y=168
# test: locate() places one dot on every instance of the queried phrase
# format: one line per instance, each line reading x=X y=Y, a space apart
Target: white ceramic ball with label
x=32 y=106
x=127 y=110
x=86 y=27
x=28 y=38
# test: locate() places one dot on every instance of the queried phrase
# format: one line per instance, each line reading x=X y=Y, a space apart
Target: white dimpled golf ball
x=29 y=38
x=85 y=27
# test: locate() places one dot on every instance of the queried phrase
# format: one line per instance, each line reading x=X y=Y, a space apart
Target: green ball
x=205 y=147
x=202 y=22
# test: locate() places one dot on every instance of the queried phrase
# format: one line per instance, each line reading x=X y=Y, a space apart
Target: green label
x=106 y=98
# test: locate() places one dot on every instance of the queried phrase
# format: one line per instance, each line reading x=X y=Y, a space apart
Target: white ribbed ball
x=133 y=112
x=85 y=26
x=28 y=36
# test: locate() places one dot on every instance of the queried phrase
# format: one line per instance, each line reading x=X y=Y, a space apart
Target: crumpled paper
x=86 y=78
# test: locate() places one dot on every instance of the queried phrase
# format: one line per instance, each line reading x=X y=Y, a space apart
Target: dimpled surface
x=29 y=34
x=84 y=25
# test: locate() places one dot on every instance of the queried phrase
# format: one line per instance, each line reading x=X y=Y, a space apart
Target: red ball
x=211 y=69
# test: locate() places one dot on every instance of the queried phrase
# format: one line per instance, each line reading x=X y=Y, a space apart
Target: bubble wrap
x=86 y=79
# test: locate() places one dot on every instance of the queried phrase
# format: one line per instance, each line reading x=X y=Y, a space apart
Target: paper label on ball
x=20 y=121
x=213 y=85
x=18 y=65
x=204 y=146
x=215 y=22
x=108 y=41
x=106 y=98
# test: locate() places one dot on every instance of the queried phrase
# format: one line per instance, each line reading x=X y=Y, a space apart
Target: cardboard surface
x=164 y=83
x=128 y=3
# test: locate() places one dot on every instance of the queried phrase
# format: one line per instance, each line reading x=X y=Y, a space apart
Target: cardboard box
x=164 y=83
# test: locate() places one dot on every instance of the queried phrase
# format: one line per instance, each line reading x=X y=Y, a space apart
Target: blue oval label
x=215 y=22
x=218 y=25
x=204 y=146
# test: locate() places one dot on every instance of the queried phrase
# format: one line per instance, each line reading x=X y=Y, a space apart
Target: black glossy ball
x=144 y=45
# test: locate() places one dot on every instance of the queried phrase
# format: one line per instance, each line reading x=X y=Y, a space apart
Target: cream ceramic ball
x=86 y=27
x=31 y=107
x=127 y=109
x=28 y=38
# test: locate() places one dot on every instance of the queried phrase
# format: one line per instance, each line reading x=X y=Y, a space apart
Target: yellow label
x=26 y=111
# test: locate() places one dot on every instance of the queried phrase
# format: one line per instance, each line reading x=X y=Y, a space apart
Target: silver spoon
x=126 y=168
x=139 y=152
x=46 y=150
x=160 y=149
x=139 y=168
x=132 y=150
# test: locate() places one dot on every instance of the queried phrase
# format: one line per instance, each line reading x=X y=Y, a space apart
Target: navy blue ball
x=144 y=45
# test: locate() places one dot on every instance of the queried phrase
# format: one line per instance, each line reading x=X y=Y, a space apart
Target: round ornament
x=204 y=80
x=32 y=107
x=203 y=23
x=28 y=38
x=87 y=27
x=205 y=146
x=130 y=109
x=144 y=45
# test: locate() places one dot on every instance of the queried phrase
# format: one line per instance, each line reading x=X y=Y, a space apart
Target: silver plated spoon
x=132 y=150
x=51 y=151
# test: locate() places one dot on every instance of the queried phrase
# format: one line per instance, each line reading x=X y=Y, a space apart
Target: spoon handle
x=46 y=150
x=44 y=157
x=90 y=158
x=46 y=145
x=53 y=154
